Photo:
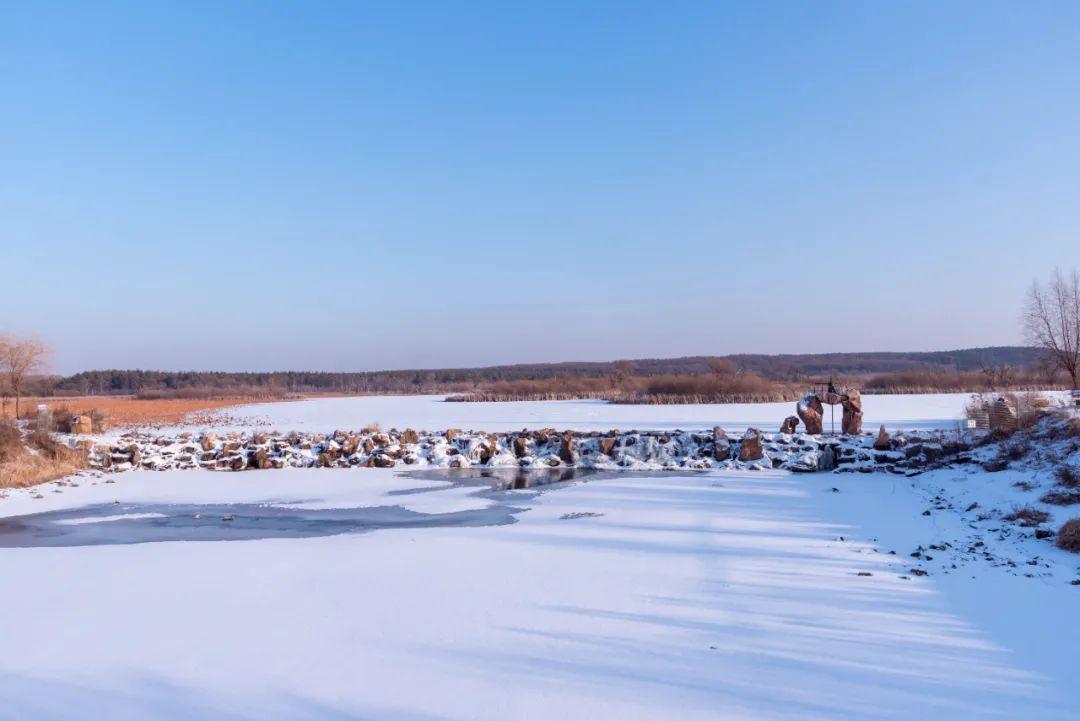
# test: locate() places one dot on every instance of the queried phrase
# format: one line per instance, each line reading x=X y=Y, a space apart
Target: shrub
x=1068 y=537
x=1015 y=448
x=1061 y=498
x=10 y=441
x=1027 y=516
x=1067 y=476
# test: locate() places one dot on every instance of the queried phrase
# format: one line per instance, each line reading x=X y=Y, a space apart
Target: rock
x=566 y=450
x=882 y=442
x=208 y=441
x=237 y=463
x=852 y=419
x=259 y=459
x=452 y=433
x=750 y=449
x=607 y=445
x=789 y=425
x=810 y=412
x=350 y=445
x=260 y=439
x=409 y=436
x=369 y=446
x=520 y=446
x=721 y=444
x=383 y=461
x=325 y=460
x=827 y=459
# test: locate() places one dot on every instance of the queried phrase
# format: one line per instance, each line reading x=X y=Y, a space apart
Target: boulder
x=383 y=461
x=721 y=444
x=810 y=412
x=409 y=436
x=259 y=459
x=453 y=433
x=208 y=441
x=520 y=446
x=827 y=459
x=852 y=420
x=566 y=449
x=882 y=442
x=789 y=425
x=607 y=445
x=750 y=449
x=350 y=445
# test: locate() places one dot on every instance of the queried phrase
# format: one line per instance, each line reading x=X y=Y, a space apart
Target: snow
x=108 y=519
x=431 y=413
x=749 y=595
x=691 y=596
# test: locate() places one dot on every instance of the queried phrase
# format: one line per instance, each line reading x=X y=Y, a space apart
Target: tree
x=1052 y=320
x=18 y=359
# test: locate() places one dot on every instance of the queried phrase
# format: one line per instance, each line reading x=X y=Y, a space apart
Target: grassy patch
x=1068 y=537
x=35 y=459
x=1027 y=516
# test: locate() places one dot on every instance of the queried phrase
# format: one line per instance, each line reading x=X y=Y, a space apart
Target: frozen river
x=432 y=413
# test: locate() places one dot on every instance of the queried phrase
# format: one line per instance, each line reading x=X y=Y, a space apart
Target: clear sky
x=377 y=185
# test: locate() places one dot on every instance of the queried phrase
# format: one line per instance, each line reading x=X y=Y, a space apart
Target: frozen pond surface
x=431 y=413
x=145 y=522
x=646 y=597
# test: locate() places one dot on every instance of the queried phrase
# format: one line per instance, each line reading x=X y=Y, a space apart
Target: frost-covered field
x=733 y=595
x=431 y=413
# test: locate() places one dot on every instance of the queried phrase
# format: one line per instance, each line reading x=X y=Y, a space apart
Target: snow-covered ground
x=696 y=596
x=712 y=595
x=431 y=413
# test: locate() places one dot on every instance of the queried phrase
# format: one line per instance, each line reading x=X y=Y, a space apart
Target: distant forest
x=754 y=376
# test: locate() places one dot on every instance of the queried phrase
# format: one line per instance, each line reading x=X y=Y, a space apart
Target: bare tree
x=1052 y=320
x=18 y=359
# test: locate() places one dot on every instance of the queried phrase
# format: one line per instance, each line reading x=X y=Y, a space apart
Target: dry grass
x=1067 y=476
x=126 y=410
x=1068 y=537
x=34 y=459
x=1061 y=498
x=1027 y=516
x=726 y=385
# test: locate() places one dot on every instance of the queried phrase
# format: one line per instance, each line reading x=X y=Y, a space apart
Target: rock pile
x=545 y=448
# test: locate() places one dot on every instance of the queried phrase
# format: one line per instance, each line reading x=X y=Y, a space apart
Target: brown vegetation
x=1027 y=516
x=1067 y=476
x=725 y=384
x=127 y=411
x=1068 y=537
x=1061 y=498
x=35 y=458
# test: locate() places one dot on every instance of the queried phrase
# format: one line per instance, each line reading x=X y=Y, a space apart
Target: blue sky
x=403 y=184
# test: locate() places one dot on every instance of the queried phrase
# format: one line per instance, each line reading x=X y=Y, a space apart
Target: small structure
x=811 y=409
x=996 y=415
